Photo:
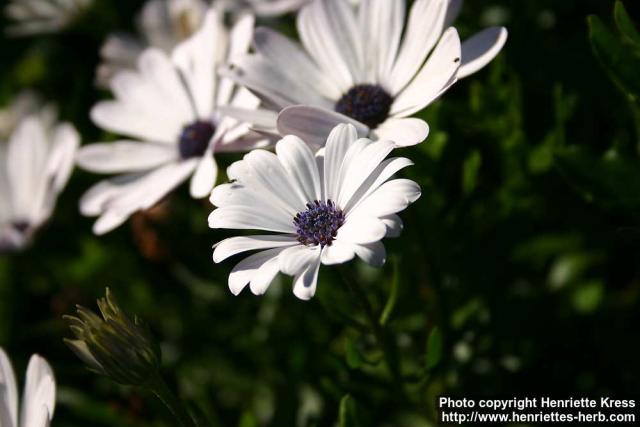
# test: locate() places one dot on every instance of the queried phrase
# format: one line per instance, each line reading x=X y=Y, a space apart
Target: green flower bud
x=114 y=345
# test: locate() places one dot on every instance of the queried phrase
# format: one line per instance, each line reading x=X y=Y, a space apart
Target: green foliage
x=434 y=348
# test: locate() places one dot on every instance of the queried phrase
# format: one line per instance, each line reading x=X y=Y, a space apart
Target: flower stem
x=160 y=389
x=387 y=345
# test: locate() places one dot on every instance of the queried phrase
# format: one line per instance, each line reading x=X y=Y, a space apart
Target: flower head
x=322 y=209
x=35 y=165
x=38 y=398
x=114 y=345
x=172 y=114
x=43 y=16
x=360 y=65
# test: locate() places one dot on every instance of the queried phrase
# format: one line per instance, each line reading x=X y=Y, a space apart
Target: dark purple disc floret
x=366 y=103
x=195 y=139
x=319 y=224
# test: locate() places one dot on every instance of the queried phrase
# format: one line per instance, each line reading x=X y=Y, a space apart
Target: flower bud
x=114 y=345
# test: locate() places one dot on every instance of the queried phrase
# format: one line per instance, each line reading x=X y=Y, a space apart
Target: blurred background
x=517 y=274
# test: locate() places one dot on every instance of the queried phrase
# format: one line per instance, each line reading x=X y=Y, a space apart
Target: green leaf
x=247 y=419
x=348 y=412
x=393 y=295
x=625 y=24
x=588 y=297
x=353 y=356
x=621 y=63
x=434 y=348
x=470 y=172
x=611 y=181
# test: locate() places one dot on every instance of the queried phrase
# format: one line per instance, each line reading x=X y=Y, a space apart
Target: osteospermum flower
x=361 y=66
x=38 y=399
x=36 y=162
x=323 y=209
x=169 y=113
x=162 y=24
x=43 y=16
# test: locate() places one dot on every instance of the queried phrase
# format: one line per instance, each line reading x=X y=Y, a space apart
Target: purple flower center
x=195 y=138
x=368 y=104
x=319 y=224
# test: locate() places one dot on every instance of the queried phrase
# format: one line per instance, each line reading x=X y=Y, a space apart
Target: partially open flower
x=114 y=345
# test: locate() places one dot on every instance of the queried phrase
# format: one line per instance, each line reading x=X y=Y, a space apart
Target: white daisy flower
x=36 y=162
x=169 y=112
x=360 y=66
x=325 y=209
x=265 y=8
x=162 y=24
x=43 y=16
x=38 y=399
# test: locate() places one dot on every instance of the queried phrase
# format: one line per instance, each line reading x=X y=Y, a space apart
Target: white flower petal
x=278 y=50
x=404 y=132
x=249 y=218
x=300 y=163
x=235 y=195
x=251 y=268
x=268 y=173
x=135 y=195
x=367 y=160
x=39 y=393
x=263 y=277
x=92 y=203
x=271 y=84
x=124 y=156
x=394 y=225
x=258 y=117
x=239 y=42
x=373 y=254
x=273 y=8
x=65 y=144
x=156 y=68
x=327 y=30
x=338 y=143
x=392 y=197
x=153 y=186
x=379 y=176
x=453 y=10
x=480 y=49
x=362 y=230
x=9 y=395
x=426 y=22
x=196 y=58
x=26 y=162
x=314 y=124
x=109 y=221
x=235 y=245
x=438 y=71
x=381 y=23
x=338 y=253
x=305 y=282
x=295 y=259
x=125 y=120
x=204 y=178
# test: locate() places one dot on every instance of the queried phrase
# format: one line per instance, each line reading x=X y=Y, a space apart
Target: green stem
x=161 y=390
x=387 y=345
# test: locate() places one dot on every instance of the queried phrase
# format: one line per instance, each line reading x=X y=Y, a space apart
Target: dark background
x=523 y=252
